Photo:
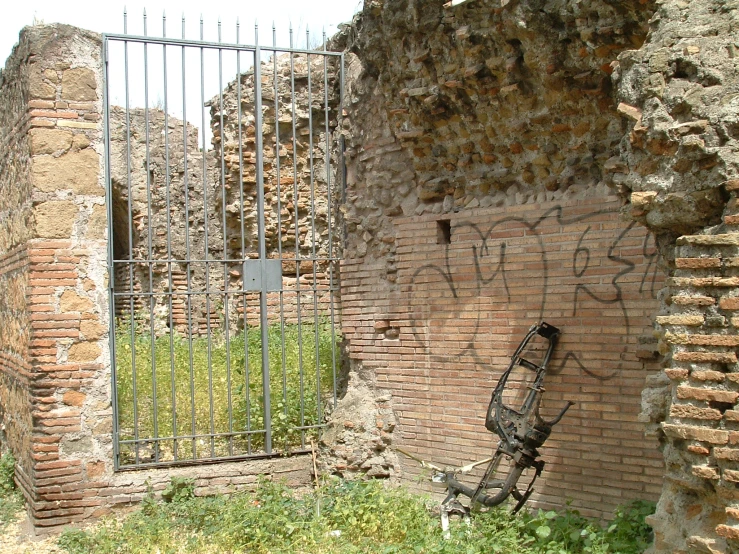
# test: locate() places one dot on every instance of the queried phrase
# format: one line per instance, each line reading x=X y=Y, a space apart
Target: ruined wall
x=300 y=99
x=534 y=105
x=680 y=165
x=494 y=127
x=55 y=383
x=16 y=227
x=54 y=218
x=177 y=194
x=162 y=170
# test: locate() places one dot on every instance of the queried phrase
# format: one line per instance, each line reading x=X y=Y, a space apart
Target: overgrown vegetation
x=226 y=393
x=349 y=518
x=11 y=499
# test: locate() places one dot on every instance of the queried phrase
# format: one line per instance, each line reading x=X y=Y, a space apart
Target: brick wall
x=16 y=426
x=439 y=344
x=698 y=417
x=55 y=374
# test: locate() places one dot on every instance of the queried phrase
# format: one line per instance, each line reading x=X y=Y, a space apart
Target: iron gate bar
x=297 y=238
x=225 y=240
x=111 y=273
x=130 y=262
x=243 y=246
x=214 y=45
x=130 y=238
x=261 y=228
x=168 y=184
x=279 y=222
x=188 y=265
x=150 y=246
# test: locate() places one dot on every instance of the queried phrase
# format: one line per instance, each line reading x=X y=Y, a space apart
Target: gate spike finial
x=145 y=22
x=125 y=20
x=164 y=23
x=238 y=29
x=201 y=26
x=219 y=28
x=183 y=24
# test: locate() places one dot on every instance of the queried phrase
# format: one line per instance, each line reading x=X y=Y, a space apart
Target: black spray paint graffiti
x=483 y=251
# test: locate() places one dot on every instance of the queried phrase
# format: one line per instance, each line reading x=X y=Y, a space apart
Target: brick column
x=66 y=294
x=702 y=424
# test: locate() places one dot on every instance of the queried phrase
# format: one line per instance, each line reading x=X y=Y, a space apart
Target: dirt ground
x=19 y=538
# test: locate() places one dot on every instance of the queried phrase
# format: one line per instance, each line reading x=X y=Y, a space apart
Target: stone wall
x=55 y=371
x=162 y=170
x=176 y=191
x=16 y=81
x=300 y=168
x=494 y=127
x=457 y=110
x=679 y=168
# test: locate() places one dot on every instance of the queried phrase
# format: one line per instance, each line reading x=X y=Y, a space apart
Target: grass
x=348 y=518
x=225 y=398
x=11 y=500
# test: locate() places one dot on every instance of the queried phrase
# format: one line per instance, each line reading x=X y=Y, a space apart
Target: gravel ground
x=18 y=538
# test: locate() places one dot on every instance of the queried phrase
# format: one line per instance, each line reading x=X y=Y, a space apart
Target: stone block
x=38 y=87
x=74 y=398
x=79 y=85
x=706 y=472
x=706 y=357
x=55 y=219
x=695 y=300
x=84 y=352
x=92 y=330
x=97 y=224
x=703 y=434
x=77 y=171
x=709 y=395
x=50 y=141
x=694 y=412
x=70 y=301
x=688 y=320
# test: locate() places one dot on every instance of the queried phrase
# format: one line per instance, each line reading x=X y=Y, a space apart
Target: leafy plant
x=364 y=517
x=180 y=489
x=11 y=500
x=629 y=532
x=161 y=394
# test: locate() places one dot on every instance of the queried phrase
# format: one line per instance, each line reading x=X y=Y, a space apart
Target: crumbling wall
x=161 y=170
x=680 y=165
x=17 y=81
x=458 y=110
x=299 y=103
x=481 y=144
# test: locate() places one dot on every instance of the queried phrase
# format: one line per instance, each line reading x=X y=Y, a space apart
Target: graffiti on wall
x=554 y=268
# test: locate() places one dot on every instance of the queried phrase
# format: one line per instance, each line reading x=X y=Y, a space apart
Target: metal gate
x=223 y=178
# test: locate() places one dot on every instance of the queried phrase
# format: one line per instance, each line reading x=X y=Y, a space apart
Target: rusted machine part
x=522 y=431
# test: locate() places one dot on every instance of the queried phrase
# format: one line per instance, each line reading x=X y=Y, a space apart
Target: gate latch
x=262 y=274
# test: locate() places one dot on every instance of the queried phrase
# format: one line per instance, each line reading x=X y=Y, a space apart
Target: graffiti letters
x=570 y=270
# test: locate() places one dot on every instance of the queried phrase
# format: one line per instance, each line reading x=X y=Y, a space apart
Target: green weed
x=222 y=392
x=364 y=517
x=11 y=500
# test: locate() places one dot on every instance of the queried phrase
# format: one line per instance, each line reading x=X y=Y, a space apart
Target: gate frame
x=256 y=50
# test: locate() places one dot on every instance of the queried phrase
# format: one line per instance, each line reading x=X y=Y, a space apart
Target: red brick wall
x=441 y=338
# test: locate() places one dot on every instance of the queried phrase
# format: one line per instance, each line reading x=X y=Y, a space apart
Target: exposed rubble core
x=507 y=161
x=454 y=111
x=679 y=164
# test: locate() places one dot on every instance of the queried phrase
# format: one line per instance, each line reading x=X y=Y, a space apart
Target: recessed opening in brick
x=443 y=231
